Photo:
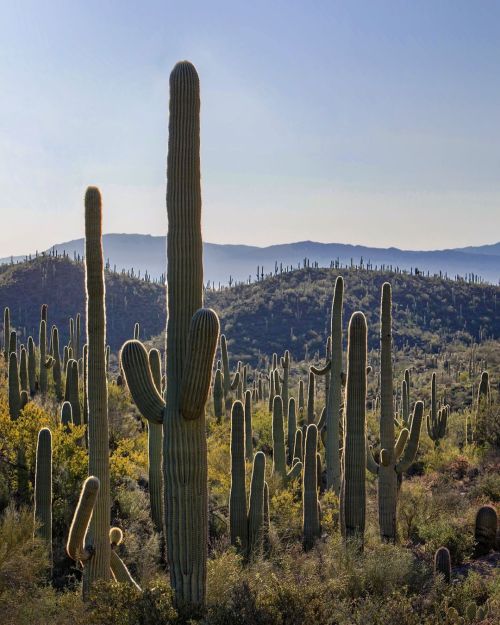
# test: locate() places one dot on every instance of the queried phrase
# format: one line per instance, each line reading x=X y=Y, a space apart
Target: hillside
x=291 y=309
x=148 y=253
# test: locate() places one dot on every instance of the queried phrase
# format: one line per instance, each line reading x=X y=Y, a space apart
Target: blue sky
x=374 y=122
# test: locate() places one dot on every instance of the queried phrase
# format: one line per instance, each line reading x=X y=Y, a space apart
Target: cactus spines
x=14 y=391
x=442 y=563
x=43 y=488
x=218 y=393
x=310 y=509
x=256 y=504
x=97 y=389
x=248 y=426
x=6 y=332
x=238 y=519
x=31 y=366
x=485 y=530
x=353 y=489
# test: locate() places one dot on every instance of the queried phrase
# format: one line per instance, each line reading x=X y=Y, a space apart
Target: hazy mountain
x=147 y=253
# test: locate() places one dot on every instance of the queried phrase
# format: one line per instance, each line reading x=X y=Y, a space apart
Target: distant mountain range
x=148 y=253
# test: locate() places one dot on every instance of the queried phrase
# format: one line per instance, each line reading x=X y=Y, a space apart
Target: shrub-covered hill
x=288 y=310
x=59 y=282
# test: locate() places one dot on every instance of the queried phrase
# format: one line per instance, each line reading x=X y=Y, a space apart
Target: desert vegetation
x=318 y=446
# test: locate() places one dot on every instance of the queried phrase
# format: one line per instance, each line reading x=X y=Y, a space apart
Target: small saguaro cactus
x=311 y=527
x=66 y=414
x=238 y=519
x=256 y=505
x=298 y=452
x=43 y=488
x=218 y=393
x=14 y=391
x=56 y=366
x=45 y=362
x=292 y=427
x=229 y=385
x=353 y=488
x=71 y=392
x=79 y=545
x=485 y=530
x=285 y=365
x=23 y=369
x=248 y=426
x=192 y=335
x=442 y=563
x=137 y=331
x=437 y=418
x=279 y=454
x=301 y=395
x=6 y=332
x=31 y=366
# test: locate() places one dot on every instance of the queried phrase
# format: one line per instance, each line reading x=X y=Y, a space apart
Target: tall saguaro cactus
x=97 y=390
x=353 y=489
x=395 y=456
x=333 y=371
x=238 y=518
x=192 y=334
x=311 y=528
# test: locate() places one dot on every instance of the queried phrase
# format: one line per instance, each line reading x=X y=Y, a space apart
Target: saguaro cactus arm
x=413 y=440
x=202 y=343
x=75 y=547
x=135 y=364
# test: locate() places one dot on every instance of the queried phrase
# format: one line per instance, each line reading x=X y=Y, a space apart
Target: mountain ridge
x=145 y=252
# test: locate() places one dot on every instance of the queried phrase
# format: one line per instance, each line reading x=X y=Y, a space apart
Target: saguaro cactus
x=279 y=453
x=218 y=393
x=256 y=504
x=437 y=418
x=442 y=563
x=14 y=391
x=43 y=488
x=238 y=519
x=31 y=366
x=285 y=365
x=353 y=489
x=97 y=567
x=292 y=426
x=6 y=332
x=71 y=392
x=248 y=426
x=56 y=366
x=155 y=446
x=45 y=362
x=311 y=528
x=395 y=456
x=23 y=370
x=192 y=334
x=333 y=371
x=485 y=531
x=229 y=385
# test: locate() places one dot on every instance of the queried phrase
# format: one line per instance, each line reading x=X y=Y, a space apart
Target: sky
x=366 y=122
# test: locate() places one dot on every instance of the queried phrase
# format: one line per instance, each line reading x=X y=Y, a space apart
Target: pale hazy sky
x=373 y=122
